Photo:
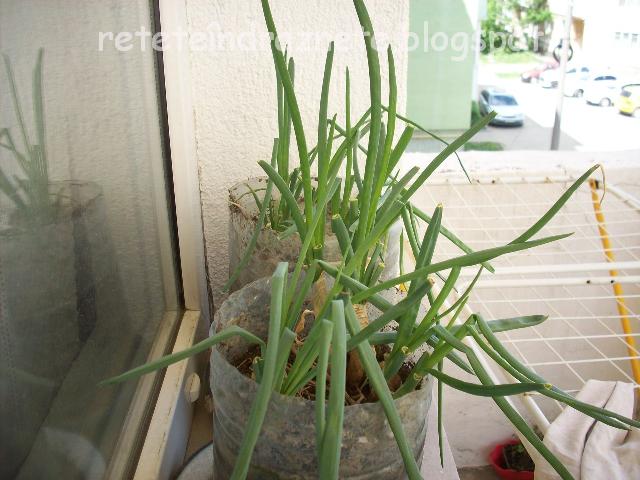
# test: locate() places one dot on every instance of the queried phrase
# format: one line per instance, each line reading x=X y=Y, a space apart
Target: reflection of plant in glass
x=28 y=192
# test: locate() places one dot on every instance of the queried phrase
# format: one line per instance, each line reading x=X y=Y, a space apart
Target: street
x=584 y=127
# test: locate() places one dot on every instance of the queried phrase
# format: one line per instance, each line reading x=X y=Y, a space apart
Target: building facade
x=605 y=33
x=442 y=62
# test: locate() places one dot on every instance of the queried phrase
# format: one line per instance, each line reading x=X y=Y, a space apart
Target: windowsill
x=201 y=431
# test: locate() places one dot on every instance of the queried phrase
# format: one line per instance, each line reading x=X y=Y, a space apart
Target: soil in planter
x=517 y=458
x=355 y=393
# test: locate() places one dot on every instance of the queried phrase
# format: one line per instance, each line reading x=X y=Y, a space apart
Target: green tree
x=540 y=17
x=537 y=13
x=504 y=15
x=494 y=27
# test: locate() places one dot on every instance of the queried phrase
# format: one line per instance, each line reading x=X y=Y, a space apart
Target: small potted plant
x=267 y=214
x=511 y=461
x=271 y=368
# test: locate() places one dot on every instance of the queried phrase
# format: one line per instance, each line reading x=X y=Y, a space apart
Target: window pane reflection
x=86 y=258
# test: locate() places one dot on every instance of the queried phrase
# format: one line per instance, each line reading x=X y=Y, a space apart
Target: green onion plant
x=362 y=206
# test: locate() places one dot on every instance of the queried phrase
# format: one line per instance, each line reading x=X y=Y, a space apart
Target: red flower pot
x=497 y=462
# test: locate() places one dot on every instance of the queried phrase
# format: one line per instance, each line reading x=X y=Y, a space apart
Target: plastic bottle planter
x=47 y=310
x=270 y=249
x=286 y=448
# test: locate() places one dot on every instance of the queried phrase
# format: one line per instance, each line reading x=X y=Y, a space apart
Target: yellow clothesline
x=617 y=288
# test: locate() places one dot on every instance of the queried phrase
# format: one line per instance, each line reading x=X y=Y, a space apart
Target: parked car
x=629 y=100
x=602 y=89
x=551 y=78
x=534 y=73
x=574 y=83
x=504 y=104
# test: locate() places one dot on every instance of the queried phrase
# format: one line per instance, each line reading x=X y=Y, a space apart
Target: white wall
x=234 y=91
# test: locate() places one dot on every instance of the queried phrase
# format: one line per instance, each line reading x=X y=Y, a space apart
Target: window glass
x=87 y=272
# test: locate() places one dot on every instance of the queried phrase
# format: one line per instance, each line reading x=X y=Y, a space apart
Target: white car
x=602 y=89
x=508 y=112
x=574 y=84
x=551 y=78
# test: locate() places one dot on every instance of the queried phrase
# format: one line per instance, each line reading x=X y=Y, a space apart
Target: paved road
x=584 y=127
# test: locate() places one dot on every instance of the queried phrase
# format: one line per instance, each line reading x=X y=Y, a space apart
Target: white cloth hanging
x=591 y=450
